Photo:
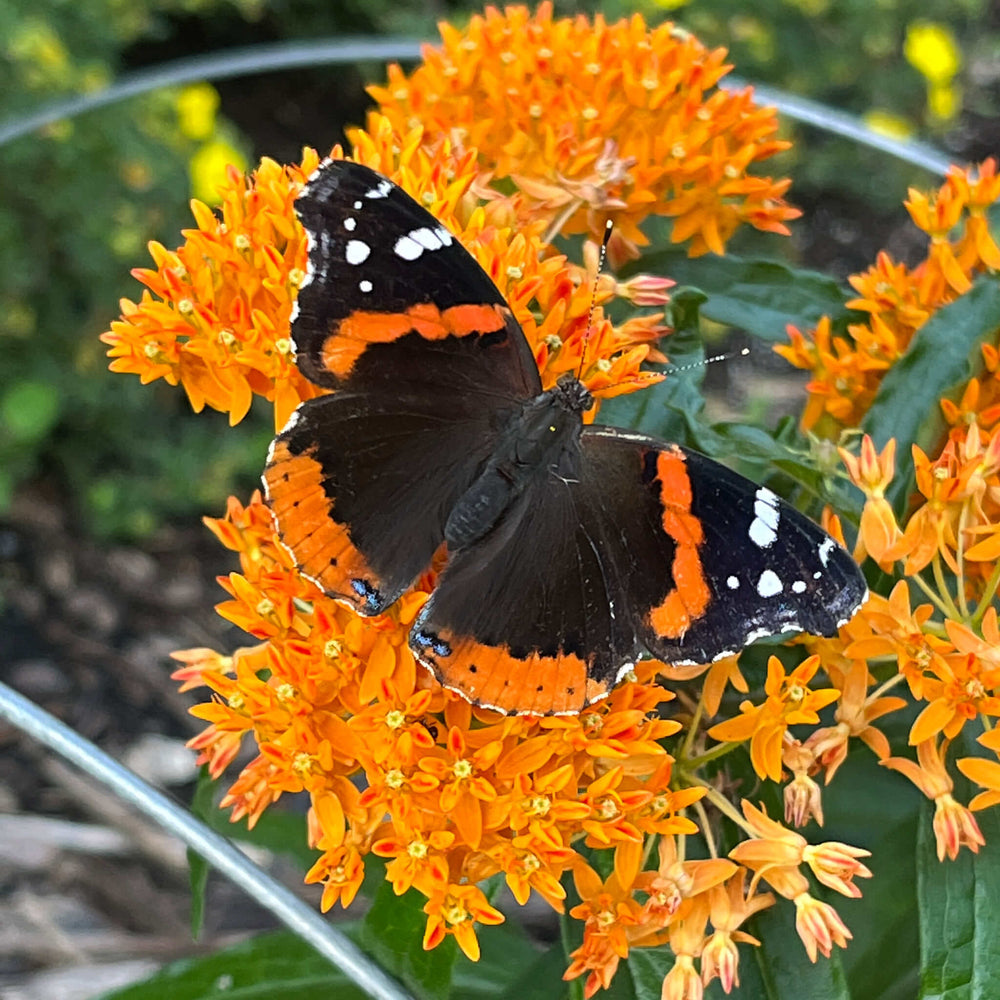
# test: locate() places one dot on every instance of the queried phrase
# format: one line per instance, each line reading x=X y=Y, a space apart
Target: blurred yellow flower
x=196 y=109
x=208 y=167
x=931 y=49
x=888 y=123
x=944 y=100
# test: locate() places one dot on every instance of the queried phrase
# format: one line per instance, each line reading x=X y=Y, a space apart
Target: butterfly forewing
x=379 y=266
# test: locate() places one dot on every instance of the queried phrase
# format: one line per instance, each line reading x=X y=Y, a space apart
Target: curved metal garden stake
x=309 y=925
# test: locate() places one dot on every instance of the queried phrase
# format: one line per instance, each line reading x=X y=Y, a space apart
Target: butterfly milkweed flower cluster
x=517 y=129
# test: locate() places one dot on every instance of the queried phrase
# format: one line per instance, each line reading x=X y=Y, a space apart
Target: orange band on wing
x=320 y=545
x=690 y=595
x=355 y=333
x=492 y=677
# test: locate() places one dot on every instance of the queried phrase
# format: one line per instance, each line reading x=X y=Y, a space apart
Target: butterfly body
x=572 y=550
x=543 y=439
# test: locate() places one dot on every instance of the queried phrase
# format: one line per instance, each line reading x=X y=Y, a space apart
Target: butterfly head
x=572 y=394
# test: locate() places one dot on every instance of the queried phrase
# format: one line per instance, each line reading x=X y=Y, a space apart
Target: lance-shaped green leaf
x=759 y=296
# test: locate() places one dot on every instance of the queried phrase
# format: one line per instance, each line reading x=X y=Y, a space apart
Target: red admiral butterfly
x=572 y=549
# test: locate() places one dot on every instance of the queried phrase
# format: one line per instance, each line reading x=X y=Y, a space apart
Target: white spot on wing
x=732 y=582
x=764 y=527
x=356 y=251
x=381 y=190
x=799 y=586
x=358 y=205
x=623 y=670
x=769 y=584
x=407 y=248
x=365 y=286
x=826 y=550
x=350 y=224
x=413 y=244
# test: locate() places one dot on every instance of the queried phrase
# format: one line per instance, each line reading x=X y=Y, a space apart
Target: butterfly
x=572 y=549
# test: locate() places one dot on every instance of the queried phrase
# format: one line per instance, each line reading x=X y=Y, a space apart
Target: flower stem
x=988 y=594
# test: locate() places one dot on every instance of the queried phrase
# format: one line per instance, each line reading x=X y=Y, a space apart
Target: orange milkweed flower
x=854 y=715
x=729 y=908
x=819 y=926
x=954 y=826
x=789 y=701
x=341 y=872
x=872 y=472
x=720 y=675
x=218 y=324
x=958 y=688
x=671 y=888
x=592 y=121
x=535 y=860
x=607 y=910
x=802 y=796
x=418 y=859
x=683 y=981
x=931 y=530
x=775 y=848
x=847 y=370
x=901 y=633
x=464 y=790
x=455 y=911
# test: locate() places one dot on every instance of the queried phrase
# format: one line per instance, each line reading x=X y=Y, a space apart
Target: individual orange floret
x=788 y=701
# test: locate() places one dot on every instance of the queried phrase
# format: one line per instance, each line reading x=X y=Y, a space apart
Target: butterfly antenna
x=608 y=227
x=727 y=356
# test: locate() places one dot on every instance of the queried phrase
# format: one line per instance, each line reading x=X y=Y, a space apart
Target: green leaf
x=959 y=920
x=269 y=966
x=871 y=807
x=940 y=357
x=392 y=933
x=986 y=919
x=647 y=968
x=946 y=892
x=759 y=296
x=655 y=410
x=202 y=804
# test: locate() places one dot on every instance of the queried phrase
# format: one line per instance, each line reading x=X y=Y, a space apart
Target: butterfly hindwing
x=633 y=545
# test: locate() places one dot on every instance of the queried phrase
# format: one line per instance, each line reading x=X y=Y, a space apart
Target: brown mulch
x=91 y=895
